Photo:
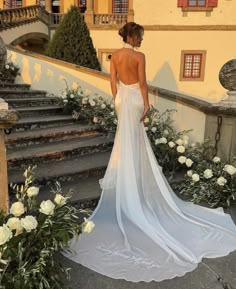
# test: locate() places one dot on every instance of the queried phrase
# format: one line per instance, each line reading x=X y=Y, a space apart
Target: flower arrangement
x=10 y=70
x=32 y=234
x=203 y=178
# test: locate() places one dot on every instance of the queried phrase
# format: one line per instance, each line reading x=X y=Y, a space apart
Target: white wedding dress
x=143 y=231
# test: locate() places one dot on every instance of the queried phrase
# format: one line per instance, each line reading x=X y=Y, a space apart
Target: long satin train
x=143 y=231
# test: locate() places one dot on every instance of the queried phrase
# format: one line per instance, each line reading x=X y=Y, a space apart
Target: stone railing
x=110 y=19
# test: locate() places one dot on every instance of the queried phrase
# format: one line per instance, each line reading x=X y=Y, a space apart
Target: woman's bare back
x=126 y=62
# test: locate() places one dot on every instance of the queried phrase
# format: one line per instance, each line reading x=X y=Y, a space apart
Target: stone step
x=69 y=170
x=48 y=135
x=7 y=79
x=31 y=102
x=27 y=123
x=13 y=86
x=39 y=110
x=10 y=93
x=61 y=150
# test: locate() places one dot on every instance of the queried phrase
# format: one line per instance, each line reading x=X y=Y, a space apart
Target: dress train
x=143 y=231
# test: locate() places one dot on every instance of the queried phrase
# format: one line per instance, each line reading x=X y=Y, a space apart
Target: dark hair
x=130 y=29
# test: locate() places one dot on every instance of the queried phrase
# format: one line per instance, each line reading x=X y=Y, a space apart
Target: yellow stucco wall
x=167 y=13
x=66 y=5
x=29 y=2
x=103 y=7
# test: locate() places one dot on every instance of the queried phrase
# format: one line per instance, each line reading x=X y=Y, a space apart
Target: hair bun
x=121 y=31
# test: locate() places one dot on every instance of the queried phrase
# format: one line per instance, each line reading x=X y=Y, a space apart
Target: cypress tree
x=71 y=41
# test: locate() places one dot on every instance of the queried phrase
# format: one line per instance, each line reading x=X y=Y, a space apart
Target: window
x=192 y=65
x=120 y=6
x=82 y=5
x=197 y=5
x=16 y=3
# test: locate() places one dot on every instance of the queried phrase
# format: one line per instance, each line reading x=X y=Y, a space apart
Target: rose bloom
x=95 y=119
x=195 y=178
x=146 y=120
x=182 y=159
x=15 y=224
x=208 y=173
x=88 y=226
x=112 y=105
x=180 y=149
x=17 y=209
x=189 y=163
x=231 y=170
x=84 y=100
x=72 y=95
x=92 y=102
x=5 y=234
x=179 y=142
x=189 y=173
x=221 y=181
x=32 y=191
x=29 y=223
x=153 y=129
x=60 y=200
x=47 y=207
x=216 y=159
x=157 y=141
x=171 y=144
x=166 y=132
x=163 y=140
x=185 y=137
x=146 y=128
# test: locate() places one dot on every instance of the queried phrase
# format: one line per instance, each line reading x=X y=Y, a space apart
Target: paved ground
x=218 y=273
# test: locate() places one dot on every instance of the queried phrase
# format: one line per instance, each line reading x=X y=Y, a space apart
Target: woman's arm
x=113 y=76
x=143 y=83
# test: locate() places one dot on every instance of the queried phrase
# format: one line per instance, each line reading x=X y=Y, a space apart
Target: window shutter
x=182 y=3
x=212 y=3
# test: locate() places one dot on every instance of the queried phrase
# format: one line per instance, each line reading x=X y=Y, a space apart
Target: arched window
x=120 y=6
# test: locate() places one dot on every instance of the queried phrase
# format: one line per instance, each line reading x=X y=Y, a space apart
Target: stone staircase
x=65 y=151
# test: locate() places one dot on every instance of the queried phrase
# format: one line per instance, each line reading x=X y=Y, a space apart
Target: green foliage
x=32 y=234
x=10 y=70
x=72 y=42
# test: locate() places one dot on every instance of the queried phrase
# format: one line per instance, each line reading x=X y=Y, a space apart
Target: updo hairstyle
x=130 y=29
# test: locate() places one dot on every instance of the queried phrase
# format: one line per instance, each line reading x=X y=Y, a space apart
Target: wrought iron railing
x=110 y=19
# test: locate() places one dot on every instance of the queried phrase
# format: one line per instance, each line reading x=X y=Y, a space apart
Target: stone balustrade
x=110 y=19
x=18 y=14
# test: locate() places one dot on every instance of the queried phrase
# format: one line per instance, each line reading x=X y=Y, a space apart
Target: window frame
x=202 y=65
x=120 y=6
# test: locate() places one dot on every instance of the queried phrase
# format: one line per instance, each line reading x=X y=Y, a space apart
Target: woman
x=143 y=231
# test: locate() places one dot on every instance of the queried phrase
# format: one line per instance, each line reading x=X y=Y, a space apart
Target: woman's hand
x=146 y=108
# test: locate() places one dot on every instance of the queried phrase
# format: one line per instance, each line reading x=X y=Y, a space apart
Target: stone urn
x=227 y=78
x=3 y=54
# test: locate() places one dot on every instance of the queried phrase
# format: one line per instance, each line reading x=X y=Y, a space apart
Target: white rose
x=231 y=170
x=163 y=140
x=166 y=132
x=193 y=145
x=221 y=181
x=171 y=144
x=95 y=119
x=47 y=207
x=84 y=100
x=195 y=178
x=72 y=95
x=115 y=121
x=32 y=191
x=5 y=234
x=112 y=113
x=180 y=149
x=182 y=159
x=189 y=173
x=103 y=106
x=15 y=224
x=146 y=128
x=208 y=173
x=60 y=200
x=7 y=66
x=92 y=102
x=216 y=159
x=112 y=105
x=65 y=100
x=29 y=223
x=17 y=209
x=189 y=163
x=157 y=141
x=179 y=142
x=185 y=137
x=154 y=129
x=185 y=142
x=88 y=226
x=146 y=120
